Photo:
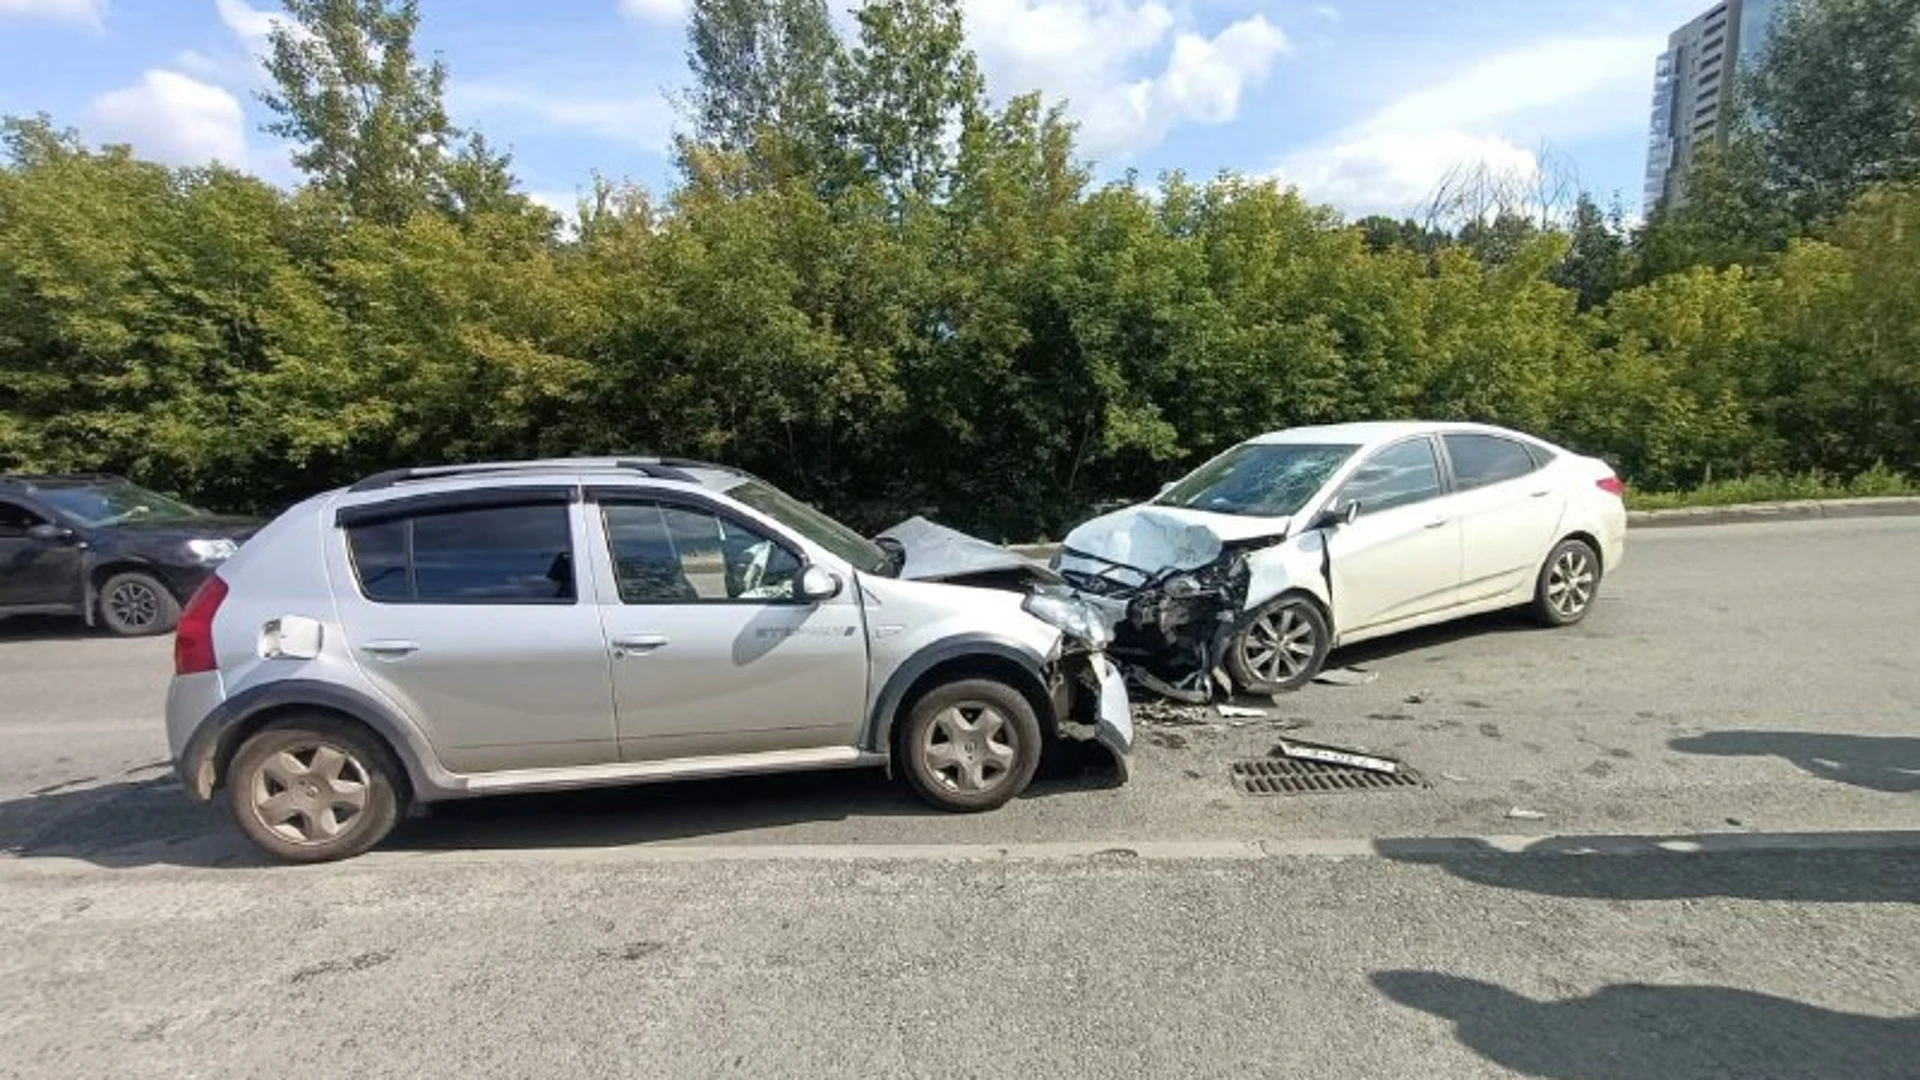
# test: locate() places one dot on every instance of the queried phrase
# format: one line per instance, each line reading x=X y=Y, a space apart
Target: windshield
x=1258 y=479
x=864 y=554
x=116 y=501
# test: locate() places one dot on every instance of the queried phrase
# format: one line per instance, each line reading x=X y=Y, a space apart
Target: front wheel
x=1569 y=581
x=137 y=605
x=970 y=745
x=312 y=790
x=1281 y=648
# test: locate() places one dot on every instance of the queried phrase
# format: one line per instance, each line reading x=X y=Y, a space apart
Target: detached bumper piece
x=1090 y=699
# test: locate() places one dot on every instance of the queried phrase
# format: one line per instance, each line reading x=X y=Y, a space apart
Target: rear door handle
x=626 y=644
x=1437 y=522
x=1542 y=493
x=391 y=648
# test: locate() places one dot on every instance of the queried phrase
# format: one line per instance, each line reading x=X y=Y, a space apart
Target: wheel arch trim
x=209 y=750
x=960 y=647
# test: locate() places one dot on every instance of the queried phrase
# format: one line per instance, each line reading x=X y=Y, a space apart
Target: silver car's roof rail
x=656 y=468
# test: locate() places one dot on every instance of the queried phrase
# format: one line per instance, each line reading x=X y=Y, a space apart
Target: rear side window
x=495 y=555
x=1480 y=460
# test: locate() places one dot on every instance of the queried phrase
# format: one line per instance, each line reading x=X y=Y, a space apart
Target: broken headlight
x=1068 y=613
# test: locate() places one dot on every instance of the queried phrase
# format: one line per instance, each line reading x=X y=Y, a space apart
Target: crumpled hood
x=937 y=553
x=1154 y=538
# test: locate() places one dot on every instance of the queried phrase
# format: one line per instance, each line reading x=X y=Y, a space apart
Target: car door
x=464 y=607
x=36 y=572
x=713 y=651
x=1400 y=557
x=1509 y=508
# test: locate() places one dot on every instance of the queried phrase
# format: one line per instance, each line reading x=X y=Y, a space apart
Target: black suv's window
x=1400 y=475
x=664 y=554
x=15 y=520
x=1479 y=460
x=110 y=502
x=496 y=555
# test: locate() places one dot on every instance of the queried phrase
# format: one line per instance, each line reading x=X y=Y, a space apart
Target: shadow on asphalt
x=1673 y=1032
x=1513 y=621
x=46 y=628
x=151 y=822
x=1879 y=762
x=1841 y=868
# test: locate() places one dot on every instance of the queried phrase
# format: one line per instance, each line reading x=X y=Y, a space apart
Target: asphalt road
x=1722 y=879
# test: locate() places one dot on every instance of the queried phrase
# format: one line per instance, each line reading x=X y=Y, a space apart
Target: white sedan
x=1290 y=544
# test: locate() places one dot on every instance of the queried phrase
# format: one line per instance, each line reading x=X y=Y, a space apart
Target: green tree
x=367 y=118
x=1837 y=91
x=763 y=74
x=1596 y=262
x=909 y=81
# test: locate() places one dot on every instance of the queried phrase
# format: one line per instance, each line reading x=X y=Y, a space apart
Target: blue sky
x=1362 y=103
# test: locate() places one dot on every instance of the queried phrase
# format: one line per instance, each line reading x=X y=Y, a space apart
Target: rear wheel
x=970 y=745
x=1569 y=581
x=137 y=605
x=1281 y=648
x=313 y=789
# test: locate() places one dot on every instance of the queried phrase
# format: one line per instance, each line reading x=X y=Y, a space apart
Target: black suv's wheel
x=137 y=605
x=1569 y=580
x=970 y=745
x=313 y=789
x=1281 y=648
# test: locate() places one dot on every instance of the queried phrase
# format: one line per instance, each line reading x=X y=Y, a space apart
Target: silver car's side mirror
x=818 y=583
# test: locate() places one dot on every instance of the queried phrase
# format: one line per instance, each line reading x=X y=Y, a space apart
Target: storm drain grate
x=1285 y=776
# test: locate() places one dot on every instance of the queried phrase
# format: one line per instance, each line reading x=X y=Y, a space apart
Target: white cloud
x=249 y=24
x=640 y=119
x=1090 y=52
x=656 y=11
x=1392 y=172
x=1549 y=91
x=1327 y=12
x=87 y=12
x=173 y=118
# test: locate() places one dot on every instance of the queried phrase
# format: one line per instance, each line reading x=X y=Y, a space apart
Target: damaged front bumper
x=1090 y=699
x=1170 y=629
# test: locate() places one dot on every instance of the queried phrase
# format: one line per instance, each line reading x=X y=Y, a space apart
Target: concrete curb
x=1744 y=513
x=1737 y=514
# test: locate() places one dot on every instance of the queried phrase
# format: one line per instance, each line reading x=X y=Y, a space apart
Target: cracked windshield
x=1077 y=534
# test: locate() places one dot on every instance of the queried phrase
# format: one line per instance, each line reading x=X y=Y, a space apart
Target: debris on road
x=1414 y=699
x=1239 y=712
x=1523 y=814
x=1455 y=777
x=1170 y=714
x=1346 y=676
x=1333 y=755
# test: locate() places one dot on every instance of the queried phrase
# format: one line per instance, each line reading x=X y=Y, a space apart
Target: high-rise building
x=1693 y=89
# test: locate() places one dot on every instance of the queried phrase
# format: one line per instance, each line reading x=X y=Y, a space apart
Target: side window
x=1401 y=474
x=1480 y=460
x=678 y=555
x=15 y=520
x=495 y=555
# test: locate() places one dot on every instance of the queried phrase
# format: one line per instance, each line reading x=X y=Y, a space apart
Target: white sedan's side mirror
x=818 y=583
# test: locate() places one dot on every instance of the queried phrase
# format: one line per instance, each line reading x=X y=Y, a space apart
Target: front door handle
x=1436 y=523
x=630 y=644
x=391 y=648
x=1542 y=493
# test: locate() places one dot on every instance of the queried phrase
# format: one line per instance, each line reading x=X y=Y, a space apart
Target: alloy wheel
x=310 y=793
x=134 y=605
x=970 y=747
x=1278 y=645
x=1570 y=583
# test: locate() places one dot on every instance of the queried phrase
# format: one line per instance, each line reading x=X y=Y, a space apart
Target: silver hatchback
x=435 y=634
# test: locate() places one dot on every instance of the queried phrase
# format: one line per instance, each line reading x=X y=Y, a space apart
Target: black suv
x=113 y=552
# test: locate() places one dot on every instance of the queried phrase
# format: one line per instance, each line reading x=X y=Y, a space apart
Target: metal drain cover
x=1286 y=776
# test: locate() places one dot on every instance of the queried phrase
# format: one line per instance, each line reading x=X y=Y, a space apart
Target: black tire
x=980 y=771
x=1568 y=584
x=264 y=767
x=1282 y=647
x=134 y=604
